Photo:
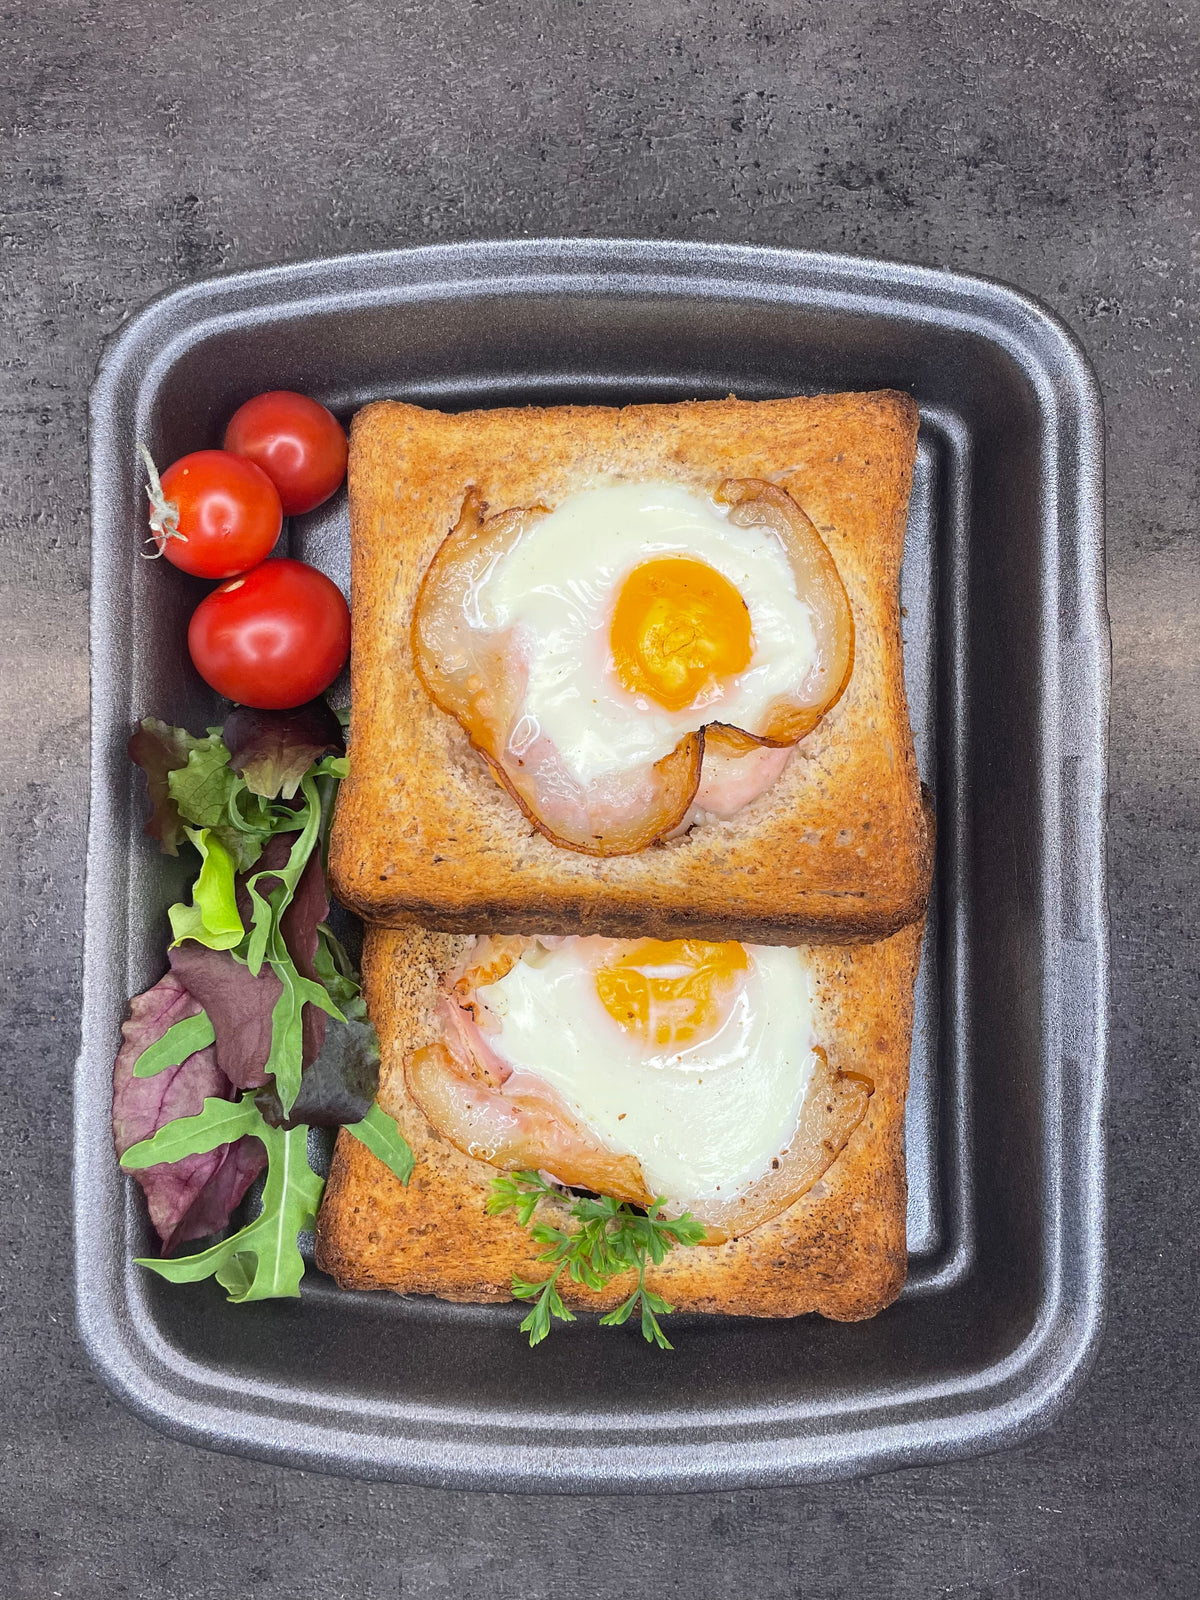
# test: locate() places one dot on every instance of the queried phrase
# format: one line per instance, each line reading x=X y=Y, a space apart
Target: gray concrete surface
x=1049 y=142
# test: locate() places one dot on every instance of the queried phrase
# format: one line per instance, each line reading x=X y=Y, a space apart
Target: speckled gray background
x=1051 y=143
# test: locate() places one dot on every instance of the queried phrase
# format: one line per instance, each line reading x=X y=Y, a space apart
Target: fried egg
x=693 y=1058
x=641 y=614
x=586 y=648
x=644 y=1069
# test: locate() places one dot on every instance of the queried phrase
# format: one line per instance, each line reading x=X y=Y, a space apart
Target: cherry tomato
x=214 y=514
x=274 y=638
x=299 y=445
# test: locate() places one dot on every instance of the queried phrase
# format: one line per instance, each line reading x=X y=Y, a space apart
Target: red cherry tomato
x=215 y=515
x=273 y=638
x=298 y=444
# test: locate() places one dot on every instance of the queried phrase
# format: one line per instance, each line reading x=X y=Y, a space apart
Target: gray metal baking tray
x=1007 y=663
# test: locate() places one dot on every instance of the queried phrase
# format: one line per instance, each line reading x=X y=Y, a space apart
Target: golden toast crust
x=840 y=1250
x=836 y=850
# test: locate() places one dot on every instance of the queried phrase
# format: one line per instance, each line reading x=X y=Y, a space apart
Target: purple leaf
x=239 y=1006
x=194 y=1197
x=272 y=750
x=238 y=1165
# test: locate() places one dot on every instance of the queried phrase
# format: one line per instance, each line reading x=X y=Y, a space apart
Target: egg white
x=558 y=587
x=705 y=1121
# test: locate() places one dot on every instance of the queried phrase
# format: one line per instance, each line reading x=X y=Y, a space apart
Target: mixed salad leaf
x=258 y=1031
x=193 y=1195
x=272 y=750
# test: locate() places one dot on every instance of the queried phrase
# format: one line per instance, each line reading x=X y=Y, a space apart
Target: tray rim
x=1047 y=1368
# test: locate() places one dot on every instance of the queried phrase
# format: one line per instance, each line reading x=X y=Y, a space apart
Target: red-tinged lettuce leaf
x=238 y=1165
x=239 y=1005
x=192 y=1198
x=159 y=750
x=272 y=750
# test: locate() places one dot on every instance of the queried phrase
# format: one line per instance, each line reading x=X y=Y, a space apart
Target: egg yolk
x=679 y=629
x=671 y=991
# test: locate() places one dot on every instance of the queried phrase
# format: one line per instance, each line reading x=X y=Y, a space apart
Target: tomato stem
x=164 y=513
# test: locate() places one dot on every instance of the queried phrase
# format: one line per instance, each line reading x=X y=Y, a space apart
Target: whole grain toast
x=837 y=849
x=840 y=1250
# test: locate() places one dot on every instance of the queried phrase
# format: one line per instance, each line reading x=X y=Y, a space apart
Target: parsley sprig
x=611 y=1238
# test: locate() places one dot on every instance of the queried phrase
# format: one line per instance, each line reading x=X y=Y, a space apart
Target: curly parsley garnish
x=612 y=1237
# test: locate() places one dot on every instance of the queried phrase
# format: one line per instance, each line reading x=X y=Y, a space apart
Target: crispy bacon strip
x=524 y=1124
x=756 y=503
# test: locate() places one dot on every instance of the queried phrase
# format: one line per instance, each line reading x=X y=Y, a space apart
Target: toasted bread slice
x=840 y=1250
x=838 y=848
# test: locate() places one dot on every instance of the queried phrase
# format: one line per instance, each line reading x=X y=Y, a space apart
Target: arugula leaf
x=219 y=1122
x=287 y=1031
x=236 y=1274
x=262 y=1261
x=612 y=1237
x=212 y=918
x=382 y=1137
x=265 y=915
x=267 y=943
x=272 y=750
x=181 y=1040
x=338 y=1087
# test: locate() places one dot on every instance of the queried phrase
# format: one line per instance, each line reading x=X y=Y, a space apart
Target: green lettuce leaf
x=201 y=788
x=212 y=918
